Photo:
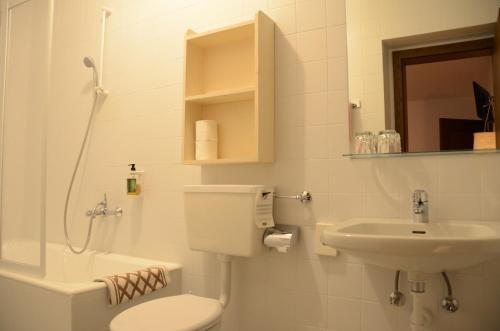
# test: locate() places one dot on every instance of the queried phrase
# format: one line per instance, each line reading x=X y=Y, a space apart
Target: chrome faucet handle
x=420 y=206
x=101 y=209
x=420 y=196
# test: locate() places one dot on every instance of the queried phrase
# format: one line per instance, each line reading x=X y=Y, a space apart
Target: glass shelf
x=438 y=153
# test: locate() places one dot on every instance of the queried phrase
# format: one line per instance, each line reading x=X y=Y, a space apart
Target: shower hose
x=70 y=188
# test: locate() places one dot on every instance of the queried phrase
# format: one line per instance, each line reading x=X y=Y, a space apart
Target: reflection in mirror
x=434 y=104
x=412 y=65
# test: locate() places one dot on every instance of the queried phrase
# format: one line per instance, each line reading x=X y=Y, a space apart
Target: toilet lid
x=180 y=313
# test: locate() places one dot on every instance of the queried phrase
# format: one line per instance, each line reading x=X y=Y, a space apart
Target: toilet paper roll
x=206 y=130
x=206 y=150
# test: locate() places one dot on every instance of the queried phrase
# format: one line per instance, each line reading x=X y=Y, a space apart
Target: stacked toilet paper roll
x=206 y=140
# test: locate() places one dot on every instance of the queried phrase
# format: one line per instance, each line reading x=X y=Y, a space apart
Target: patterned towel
x=125 y=287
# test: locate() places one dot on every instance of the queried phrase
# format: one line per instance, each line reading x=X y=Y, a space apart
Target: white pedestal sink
x=418 y=248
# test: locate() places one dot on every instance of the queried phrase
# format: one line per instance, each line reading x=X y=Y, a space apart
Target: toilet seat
x=180 y=313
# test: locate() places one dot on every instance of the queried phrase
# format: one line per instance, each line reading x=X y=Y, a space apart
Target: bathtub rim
x=68 y=288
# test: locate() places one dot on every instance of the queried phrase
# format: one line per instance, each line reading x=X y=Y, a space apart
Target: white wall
x=140 y=122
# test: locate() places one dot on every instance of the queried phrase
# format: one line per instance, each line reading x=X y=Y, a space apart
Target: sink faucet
x=420 y=207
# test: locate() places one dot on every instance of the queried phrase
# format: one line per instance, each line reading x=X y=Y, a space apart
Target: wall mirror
x=426 y=69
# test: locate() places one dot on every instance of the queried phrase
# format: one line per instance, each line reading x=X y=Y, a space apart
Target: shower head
x=89 y=62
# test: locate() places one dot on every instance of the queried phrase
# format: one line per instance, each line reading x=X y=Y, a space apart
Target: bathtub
x=67 y=299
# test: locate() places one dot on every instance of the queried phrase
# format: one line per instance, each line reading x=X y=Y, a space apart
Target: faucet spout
x=420 y=207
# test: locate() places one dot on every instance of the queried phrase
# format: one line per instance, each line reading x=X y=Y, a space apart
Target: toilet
x=224 y=219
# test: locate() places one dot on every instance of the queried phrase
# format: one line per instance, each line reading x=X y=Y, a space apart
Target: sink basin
x=408 y=246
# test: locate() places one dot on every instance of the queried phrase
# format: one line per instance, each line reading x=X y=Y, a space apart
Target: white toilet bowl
x=176 y=313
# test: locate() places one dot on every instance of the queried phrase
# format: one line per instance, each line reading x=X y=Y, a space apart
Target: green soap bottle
x=133 y=185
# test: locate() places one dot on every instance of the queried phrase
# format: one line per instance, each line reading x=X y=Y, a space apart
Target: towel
x=130 y=285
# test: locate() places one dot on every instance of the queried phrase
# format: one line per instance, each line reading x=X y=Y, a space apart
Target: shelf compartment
x=239 y=94
x=236 y=129
x=225 y=35
x=220 y=61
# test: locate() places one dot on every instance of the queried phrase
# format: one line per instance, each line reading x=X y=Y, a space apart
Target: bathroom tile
x=251 y=271
x=335 y=12
x=252 y=307
x=315 y=138
x=345 y=279
x=378 y=283
x=281 y=303
x=311 y=14
x=490 y=207
x=337 y=73
x=312 y=109
x=312 y=310
x=382 y=206
x=318 y=210
x=287 y=80
x=384 y=178
x=197 y=285
x=371 y=28
x=311 y=45
x=282 y=272
x=306 y=244
x=312 y=77
x=285 y=128
x=286 y=51
x=346 y=206
x=280 y=3
x=252 y=6
x=338 y=107
x=372 y=64
x=379 y=317
x=373 y=102
x=339 y=141
x=336 y=39
x=344 y=314
x=345 y=176
x=490 y=176
x=284 y=17
x=373 y=83
x=312 y=276
x=460 y=175
x=370 y=9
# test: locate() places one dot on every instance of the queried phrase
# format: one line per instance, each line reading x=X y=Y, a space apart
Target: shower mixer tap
x=101 y=209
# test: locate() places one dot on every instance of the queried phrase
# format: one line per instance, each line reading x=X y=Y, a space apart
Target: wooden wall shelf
x=229 y=77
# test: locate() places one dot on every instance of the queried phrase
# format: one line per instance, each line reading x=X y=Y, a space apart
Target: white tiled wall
x=140 y=122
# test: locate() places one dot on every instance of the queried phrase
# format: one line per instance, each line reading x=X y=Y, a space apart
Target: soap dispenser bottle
x=133 y=184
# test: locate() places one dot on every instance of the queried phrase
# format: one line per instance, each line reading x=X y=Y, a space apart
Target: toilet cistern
x=420 y=207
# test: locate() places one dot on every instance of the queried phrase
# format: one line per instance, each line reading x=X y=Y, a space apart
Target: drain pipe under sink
x=420 y=318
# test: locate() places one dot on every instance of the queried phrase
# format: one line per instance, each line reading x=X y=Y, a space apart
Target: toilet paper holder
x=281 y=237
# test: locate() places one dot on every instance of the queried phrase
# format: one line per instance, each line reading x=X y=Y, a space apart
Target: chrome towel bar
x=303 y=197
